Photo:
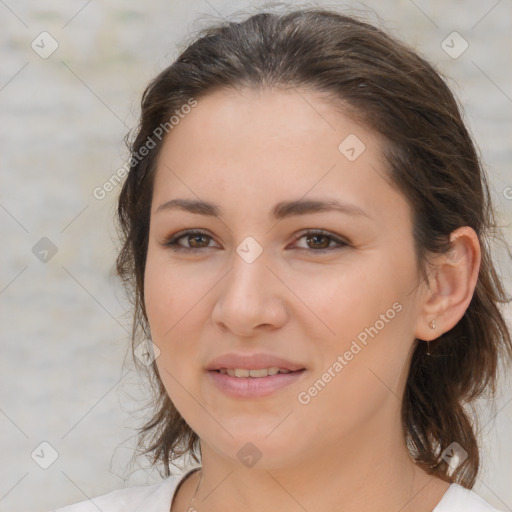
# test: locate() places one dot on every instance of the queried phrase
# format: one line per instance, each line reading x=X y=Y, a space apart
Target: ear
x=452 y=286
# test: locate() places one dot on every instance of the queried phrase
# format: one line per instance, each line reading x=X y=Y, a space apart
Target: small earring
x=432 y=325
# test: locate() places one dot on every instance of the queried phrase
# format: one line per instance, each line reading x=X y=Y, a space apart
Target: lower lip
x=253 y=387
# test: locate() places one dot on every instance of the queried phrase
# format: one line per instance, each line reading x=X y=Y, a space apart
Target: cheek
x=175 y=314
x=164 y=307
x=339 y=302
x=169 y=296
x=362 y=324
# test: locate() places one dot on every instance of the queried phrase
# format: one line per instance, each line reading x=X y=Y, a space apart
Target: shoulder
x=459 y=499
x=148 y=498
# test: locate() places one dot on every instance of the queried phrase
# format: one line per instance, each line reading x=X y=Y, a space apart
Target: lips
x=252 y=362
x=254 y=387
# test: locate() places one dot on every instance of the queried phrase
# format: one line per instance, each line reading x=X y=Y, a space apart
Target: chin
x=256 y=449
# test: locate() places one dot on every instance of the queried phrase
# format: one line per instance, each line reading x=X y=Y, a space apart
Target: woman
x=306 y=238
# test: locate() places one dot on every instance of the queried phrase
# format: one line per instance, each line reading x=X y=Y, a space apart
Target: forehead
x=269 y=145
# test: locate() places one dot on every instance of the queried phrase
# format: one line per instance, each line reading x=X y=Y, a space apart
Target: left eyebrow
x=305 y=206
x=280 y=211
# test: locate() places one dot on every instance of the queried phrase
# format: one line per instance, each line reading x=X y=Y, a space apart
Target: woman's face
x=341 y=307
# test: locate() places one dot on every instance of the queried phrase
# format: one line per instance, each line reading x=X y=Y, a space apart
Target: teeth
x=243 y=372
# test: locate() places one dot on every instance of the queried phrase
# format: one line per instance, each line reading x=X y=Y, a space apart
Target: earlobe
x=452 y=287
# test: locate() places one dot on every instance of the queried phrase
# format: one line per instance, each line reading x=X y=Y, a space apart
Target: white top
x=158 y=498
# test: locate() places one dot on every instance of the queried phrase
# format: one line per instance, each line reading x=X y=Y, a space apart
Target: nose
x=251 y=299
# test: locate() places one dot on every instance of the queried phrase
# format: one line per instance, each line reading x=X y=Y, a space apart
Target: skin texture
x=245 y=151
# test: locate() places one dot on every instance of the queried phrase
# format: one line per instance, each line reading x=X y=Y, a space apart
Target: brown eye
x=317 y=241
x=196 y=240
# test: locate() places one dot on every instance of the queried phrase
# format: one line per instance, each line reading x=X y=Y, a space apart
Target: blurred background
x=71 y=79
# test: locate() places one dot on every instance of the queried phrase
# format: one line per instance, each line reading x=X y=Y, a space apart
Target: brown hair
x=433 y=163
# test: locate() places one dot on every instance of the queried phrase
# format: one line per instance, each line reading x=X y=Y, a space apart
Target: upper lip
x=252 y=362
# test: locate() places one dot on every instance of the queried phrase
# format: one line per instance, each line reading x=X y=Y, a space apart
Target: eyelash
x=173 y=245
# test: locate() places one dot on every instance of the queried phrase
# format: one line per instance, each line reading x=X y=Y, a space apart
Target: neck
x=356 y=476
